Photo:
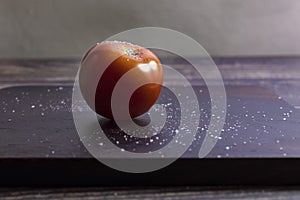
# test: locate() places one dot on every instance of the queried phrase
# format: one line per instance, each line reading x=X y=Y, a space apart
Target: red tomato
x=113 y=59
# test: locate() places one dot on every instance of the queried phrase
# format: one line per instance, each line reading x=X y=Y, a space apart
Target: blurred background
x=67 y=28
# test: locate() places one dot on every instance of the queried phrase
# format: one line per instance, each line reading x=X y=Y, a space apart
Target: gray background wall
x=66 y=28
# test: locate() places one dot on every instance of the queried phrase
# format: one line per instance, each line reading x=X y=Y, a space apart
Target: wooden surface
x=253 y=85
x=167 y=193
x=279 y=75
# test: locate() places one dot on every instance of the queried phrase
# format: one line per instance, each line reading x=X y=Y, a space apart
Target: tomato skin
x=113 y=59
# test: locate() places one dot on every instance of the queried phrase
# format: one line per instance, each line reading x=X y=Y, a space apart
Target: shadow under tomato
x=143 y=145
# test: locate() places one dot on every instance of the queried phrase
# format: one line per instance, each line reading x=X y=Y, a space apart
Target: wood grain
x=170 y=193
x=279 y=74
x=64 y=70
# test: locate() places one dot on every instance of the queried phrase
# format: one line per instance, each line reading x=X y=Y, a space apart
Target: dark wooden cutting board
x=38 y=136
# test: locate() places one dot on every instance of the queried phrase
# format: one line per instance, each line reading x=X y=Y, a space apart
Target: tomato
x=103 y=66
